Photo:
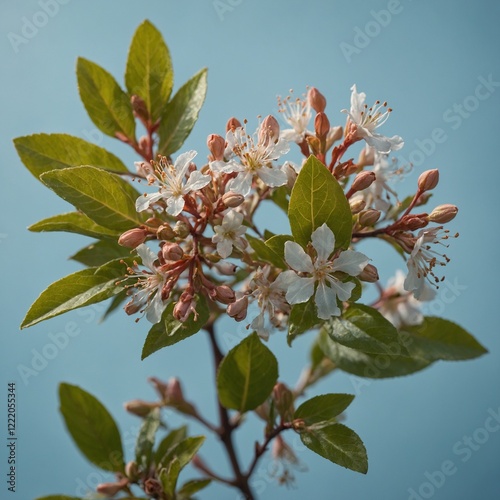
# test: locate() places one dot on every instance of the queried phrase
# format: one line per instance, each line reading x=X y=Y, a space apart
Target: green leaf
x=146 y=439
x=438 y=338
x=173 y=438
x=100 y=252
x=169 y=331
x=79 y=289
x=183 y=451
x=303 y=317
x=58 y=497
x=169 y=476
x=365 y=329
x=92 y=428
x=116 y=302
x=367 y=365
x=106 y=198
x=180 y=114
x=280 y=197
x=42 y=153
x=106 y=103
x=323 y=408
x=247 y=375
x=276 y=245
x=74 y=222
x=149 y=71
x=317 y=198
x=266 y=253
x=191 y=487
x=339 y=444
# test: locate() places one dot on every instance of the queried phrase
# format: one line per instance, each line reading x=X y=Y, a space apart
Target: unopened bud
x=216 y=144
x=334 y=135
x=133 y=237
x=232 y=124
x=232 y=199
x=172 y=252
x=139 y=107
x=132 y=471
x=153 y=487
x=443 y=213
x=144 y=143
x=226 y=268
x=238 y=309
x=369 y=274
x=184 y=307
x=321 y=125
x=174 y=391
x=283 y=400
x=357 y=204
x=139 y=407
x=223 y=294
x=181 y=229
x=132 y=307
x=363 y=180
x=165 y=232
x=413 y=221
x=160 y=387
x=366 y=157
x=298 y=424
x=428 y=180
x=269 y=131
x=368 y=218
x=316 y=100
x=111 y=489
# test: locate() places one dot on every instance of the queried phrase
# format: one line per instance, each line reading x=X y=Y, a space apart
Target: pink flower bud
x=232 y=124
x=132 y=471
x=153 y=487
x=111 y=489
x=165 y=232
x=223 y=294
x=443 y=213
x=174 y=391
x=139 y=407
x=366 y=157
x=181 y=229
x=368 y=218
x=144 y=143
x=238 y=309
x=216 y=145
x=363 y=180
x=269 y=131
x=132 y=307
x=226 y=268
x=232 y=200
x=160 y=387
x=133 y=237
x=139 y=107
x=414 y=221
x=321 y=125
x=283 y=400
x=428 y=180
x=369 y=274
x=316 y=100
x=172 y=252
x=357 y=204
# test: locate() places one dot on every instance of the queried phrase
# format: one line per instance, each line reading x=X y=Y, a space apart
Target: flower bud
x=369 y=274
x=232 y=200
x=414 y=221
x=139 y=107
x=111 y=489
x=321 y=125
x=316 y=100
x=165 y=232
x=362 y=181
x=366 y=157
x=132 y=471
x=369 y=217
x=443 y=213
x=133 y=237
x=153 y=487
x=357 y=204
x=226 y=268
x=232 y=124
x=283 y=400
x=139 y=407
x=160 y=387
x=144 y=143
x=184 y=307
x=334 y=135
x=172 y=252
x=223 y=294
x=428 y=180
x=298 y=424
x=238 y=309
x=216 y=145
x=269 y=131
x=181 y=229
x=174 y=391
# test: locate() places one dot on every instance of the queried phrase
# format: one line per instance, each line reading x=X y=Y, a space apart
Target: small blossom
x=172 y=183
x=363 y=121
x=229 y=234
x=297 y=113
x=318 y=277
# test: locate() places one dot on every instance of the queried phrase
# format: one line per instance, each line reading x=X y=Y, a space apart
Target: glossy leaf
x=303 y=317
x=323 y=408
x=149 y=71
x=265 y=253
x=79 y=289
x=105 y=198
x=191 y=487
x=317 y=198
x=183 y=451
x=106 y=103
x=92 y=428
x=174 y=437
x=146 y=439
x=42 y=153
x=100 y=252
x=181 y=113
x=276 y=245
x=169 y=331
x=247 y=375
x=168 y=477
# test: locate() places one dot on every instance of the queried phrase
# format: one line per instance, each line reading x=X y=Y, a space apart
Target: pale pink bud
x=366 y=157
x=362 y=181
x=111 y=489
x=144 y=143
x=181 y=229
x=357 y=204
x=414 y=221
x=443 y=213
x=172 y=252
x=321 y=125
x=226 y=268
x=216 y=144
x=139 y=407
x=428 y=180
x=132 y=471
x=269 y=131
x=223 y=294
x=182 y=310
x=232 y=200
x=133 y=237
x=238 y=309
x=139 y=107
x=283 y=400
x=232 y=124
x=165 y=232
x=174 y=391
x=316 y=100
x=368 y=218
x=369 y=274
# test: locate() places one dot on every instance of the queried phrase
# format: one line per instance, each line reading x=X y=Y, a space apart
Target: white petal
x=241 y=184
x=284 y=280
x=196 y=181
x=300 y=290
x=145 y=200
x=147 y=256
x=297 y=259
x=154 y=309
x=258 y=324
x=343 y=290
x=350 y=262
x=326 y=301
x=232 y=220
x=273 y=177
x=224 y=248
x=182 y=163
x=323 y=241
x=175 y=205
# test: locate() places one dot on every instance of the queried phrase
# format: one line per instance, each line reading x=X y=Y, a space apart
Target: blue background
x=424 y=60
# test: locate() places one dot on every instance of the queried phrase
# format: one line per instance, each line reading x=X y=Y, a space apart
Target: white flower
x=365 y=120
x=251 y=157
x=229 y=234
x=399 y=306
x=424 y=259
x=150 y=286
x=271 y=300
x=173 y=185
x=320 y=273
x=297 y=113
